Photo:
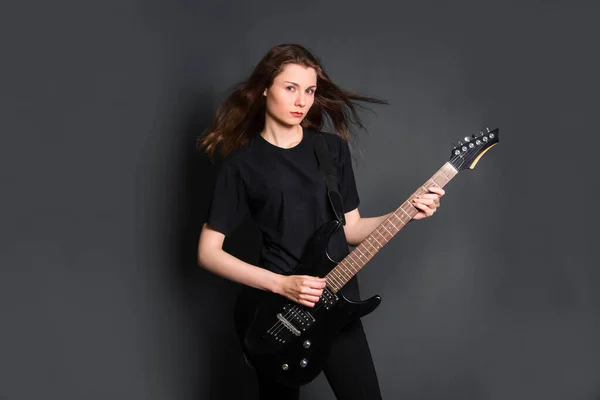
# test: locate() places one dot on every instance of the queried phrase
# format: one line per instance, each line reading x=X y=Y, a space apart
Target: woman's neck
x=284 y=136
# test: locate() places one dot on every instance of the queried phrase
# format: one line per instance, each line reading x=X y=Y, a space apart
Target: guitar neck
x=368 y=248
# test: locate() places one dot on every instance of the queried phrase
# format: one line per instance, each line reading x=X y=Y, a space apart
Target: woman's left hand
x=428 y=203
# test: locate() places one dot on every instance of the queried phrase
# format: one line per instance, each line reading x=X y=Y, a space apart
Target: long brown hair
x=242 y=115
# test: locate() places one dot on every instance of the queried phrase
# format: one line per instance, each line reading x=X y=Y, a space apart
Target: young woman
x=264 y=131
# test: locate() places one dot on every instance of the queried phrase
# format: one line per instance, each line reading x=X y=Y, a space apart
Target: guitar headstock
x=468 y=151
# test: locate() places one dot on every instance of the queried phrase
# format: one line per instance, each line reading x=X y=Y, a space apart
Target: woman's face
x=292 y=94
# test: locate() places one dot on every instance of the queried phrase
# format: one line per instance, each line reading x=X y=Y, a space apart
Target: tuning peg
x=467 y=139
x=487 y=130
x=480 y=133
x=460 y=143
x=474 y=136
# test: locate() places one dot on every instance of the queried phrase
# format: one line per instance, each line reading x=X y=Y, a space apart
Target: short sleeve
x=348 y=188
x=229 y=205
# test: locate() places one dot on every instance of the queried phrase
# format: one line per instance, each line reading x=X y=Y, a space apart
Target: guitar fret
x=351 y=255
x=350 y=267
x=348 y=272
x=390 y=225
x=383 y=236
x=341 y=273
x=375 y=246
x=332 y=285
x=386 y=230
x=352 y=260
x=365 y=246
x=342 y=280
x=405 y=213
x=335 y=278
x=387 y=234
x=345 y=268
x=412 y=209
x=368 y=248
x=399 y=219
x=373 y=238
x=380 y=235
x=362 y=254
x=339 y=276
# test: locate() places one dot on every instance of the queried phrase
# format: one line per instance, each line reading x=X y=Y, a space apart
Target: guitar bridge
x=294 y=319
x=288 y=324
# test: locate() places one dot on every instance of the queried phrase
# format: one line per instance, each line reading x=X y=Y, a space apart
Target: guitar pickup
x=328 y=299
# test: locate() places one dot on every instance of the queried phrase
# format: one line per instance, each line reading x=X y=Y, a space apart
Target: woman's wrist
x=275 y=284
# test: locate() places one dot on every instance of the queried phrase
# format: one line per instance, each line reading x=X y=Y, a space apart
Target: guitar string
x=295 y=308
x=278 y=324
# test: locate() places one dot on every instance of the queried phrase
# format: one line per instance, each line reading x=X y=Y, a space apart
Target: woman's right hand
x=302 y=289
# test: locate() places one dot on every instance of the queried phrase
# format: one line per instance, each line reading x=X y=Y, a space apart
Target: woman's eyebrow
x=295 y=84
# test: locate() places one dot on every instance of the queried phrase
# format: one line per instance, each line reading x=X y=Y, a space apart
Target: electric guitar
x=289 y=342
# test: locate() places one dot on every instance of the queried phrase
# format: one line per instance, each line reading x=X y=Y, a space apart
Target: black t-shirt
x=284 y=192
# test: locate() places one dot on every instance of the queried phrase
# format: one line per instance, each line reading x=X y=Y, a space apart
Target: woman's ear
x=265 y=92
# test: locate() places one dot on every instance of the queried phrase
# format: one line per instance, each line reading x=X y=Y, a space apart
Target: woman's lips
x=297 y=114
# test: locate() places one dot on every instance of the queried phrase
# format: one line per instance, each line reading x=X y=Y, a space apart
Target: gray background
x=102 y=194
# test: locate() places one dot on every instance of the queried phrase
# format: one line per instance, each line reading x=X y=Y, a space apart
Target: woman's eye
x=310 y=91
x=290 y=88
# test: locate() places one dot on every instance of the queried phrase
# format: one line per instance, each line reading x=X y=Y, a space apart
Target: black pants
x=349 y=370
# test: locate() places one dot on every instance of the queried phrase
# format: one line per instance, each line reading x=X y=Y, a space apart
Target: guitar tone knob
x=285 y=367
x=306 y=344
x=303 y=363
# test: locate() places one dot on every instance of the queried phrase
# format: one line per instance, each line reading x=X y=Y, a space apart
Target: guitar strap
x=331 y=176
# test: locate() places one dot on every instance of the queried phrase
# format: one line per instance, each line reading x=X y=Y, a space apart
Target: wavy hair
x=242 y=115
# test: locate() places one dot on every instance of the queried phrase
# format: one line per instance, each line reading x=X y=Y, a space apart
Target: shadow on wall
x=219 y=367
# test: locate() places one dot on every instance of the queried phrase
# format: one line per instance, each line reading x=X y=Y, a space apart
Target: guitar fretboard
x=368 y=248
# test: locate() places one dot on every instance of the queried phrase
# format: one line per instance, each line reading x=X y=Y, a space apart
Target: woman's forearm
x=362 y=228
x=221 y=263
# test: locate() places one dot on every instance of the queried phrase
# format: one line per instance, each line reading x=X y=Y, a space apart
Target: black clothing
x=284 y=192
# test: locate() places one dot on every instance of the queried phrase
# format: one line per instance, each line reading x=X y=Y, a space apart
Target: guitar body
x=288 y=342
